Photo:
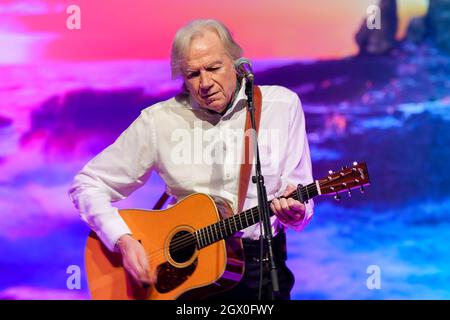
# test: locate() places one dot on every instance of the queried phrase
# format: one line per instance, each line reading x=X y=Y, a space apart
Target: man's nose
x=205 y=80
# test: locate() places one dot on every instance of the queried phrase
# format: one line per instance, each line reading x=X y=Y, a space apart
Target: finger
x=276 y=208
x=144 y=275
x=152 y=276
x=143 y=265
x=279 y=210
x=291 y=210
x=131 y=271
x=299 y=209
x=147 y=277
x=284 y=205
x=295 y=205
x=142 y=257
x=272 y=207
x=289 y=189
x=276 y=204
x=283 y=212
x=283 y=218
x=134 y=266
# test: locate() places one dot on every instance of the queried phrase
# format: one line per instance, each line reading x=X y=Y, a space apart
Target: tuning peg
x=330 y=172
x=355 y=163
x=362 y=189
x=337 y=197
x=344 y=167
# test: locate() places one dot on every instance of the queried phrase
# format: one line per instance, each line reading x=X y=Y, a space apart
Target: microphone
x=243 y=68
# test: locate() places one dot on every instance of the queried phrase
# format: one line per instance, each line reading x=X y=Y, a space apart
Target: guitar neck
x=229 y=226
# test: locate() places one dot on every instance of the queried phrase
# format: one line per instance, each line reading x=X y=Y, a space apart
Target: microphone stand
x=263 y=205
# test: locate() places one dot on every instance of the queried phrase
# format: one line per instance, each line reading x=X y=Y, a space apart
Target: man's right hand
x=135 y=260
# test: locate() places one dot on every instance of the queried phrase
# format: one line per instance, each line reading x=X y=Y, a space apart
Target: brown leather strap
x=246 y=165
x=162 y=200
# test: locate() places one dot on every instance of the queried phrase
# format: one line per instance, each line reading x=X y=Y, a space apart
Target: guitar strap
x=246 y=165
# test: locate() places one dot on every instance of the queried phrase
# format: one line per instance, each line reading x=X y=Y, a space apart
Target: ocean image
x=390 y=110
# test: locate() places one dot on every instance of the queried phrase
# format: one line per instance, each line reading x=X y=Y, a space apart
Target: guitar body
x=190 y=273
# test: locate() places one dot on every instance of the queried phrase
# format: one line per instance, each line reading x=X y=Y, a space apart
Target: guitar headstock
x=346 y=179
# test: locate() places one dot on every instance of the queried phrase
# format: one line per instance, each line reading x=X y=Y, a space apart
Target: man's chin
x=215 y=106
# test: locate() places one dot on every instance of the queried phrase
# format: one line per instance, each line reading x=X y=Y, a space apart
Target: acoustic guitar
x=192 y=246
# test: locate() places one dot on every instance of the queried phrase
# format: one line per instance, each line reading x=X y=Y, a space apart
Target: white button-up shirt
x=196 y=150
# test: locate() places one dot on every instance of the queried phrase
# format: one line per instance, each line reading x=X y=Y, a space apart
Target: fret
x=207 y=235
x=224 y=222
x=220 y=230
x=306 y=192
x=211 y=227
x=196 y=236
x=229 y=225
x=235 y=225
x=201 y=238
x=240 y=220
x=216 y=233
x=299 y=195
x=246 y=221
x=225 y=232
x=210 y=233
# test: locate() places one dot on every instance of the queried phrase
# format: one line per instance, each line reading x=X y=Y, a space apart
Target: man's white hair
x=194 y=29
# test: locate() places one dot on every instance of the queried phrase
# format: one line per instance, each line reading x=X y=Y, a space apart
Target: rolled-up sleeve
x=113 y=175
x=297 y=164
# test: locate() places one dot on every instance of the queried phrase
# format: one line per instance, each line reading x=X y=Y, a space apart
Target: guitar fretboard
x=229 y=226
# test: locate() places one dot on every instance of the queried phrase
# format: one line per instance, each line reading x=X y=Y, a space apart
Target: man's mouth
x=209 y=96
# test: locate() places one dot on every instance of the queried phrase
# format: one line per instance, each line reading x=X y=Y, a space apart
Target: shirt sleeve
x=297 y=166
x=113 y=175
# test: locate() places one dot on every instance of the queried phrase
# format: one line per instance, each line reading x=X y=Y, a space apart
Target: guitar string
x=189 y=239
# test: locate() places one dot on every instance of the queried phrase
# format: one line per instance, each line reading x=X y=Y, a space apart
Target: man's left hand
x=288 y=210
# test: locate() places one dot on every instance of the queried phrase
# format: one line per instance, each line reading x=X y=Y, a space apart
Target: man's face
x=208 y=72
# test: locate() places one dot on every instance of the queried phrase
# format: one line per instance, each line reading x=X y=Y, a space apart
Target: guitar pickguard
x=170 y=277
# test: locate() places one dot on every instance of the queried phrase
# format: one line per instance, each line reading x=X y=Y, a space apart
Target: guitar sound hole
x=182 y=246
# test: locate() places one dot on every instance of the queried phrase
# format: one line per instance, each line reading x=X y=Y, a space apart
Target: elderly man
x=213 y=103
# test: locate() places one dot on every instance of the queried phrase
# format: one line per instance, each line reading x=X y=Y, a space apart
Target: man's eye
x=213 y=68
x=192 y=75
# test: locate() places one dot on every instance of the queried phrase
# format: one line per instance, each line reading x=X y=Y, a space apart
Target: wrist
x=119 y=241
